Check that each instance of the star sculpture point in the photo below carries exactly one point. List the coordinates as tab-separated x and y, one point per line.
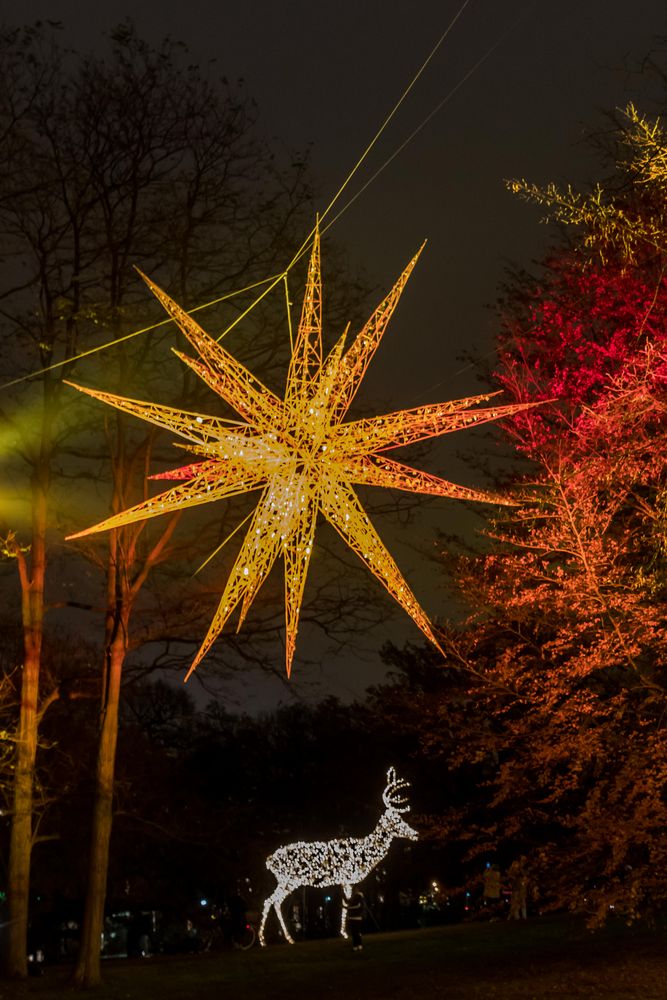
300	452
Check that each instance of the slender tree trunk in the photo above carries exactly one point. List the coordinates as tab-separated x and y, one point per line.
120	600
20	843
87	970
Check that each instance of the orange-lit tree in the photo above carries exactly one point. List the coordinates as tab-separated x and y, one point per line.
565	656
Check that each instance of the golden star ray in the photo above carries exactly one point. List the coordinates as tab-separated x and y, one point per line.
275	520
193	427
234	382
395	430
306	361
376	470
300	453
207	486
366	343
342	509
297	552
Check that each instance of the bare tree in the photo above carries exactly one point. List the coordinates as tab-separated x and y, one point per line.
135	157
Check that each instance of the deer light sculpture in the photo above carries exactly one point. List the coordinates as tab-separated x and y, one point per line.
343	862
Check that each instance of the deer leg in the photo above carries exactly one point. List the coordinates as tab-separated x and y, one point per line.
278	896
274	900
265	913
347	892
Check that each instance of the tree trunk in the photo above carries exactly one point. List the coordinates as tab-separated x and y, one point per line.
20	842
20	848
120	599
87	970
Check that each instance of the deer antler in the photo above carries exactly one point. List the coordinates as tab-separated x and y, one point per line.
391	795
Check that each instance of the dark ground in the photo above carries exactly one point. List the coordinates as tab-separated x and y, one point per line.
543	958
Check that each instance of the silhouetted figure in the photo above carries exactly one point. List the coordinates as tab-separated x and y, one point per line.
492	888
190	938
237	918
355	914
519	887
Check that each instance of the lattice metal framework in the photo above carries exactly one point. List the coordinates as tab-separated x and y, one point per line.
302	454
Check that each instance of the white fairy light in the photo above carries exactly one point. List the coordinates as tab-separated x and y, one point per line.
344	862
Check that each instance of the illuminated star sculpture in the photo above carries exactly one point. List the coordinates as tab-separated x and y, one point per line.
300	453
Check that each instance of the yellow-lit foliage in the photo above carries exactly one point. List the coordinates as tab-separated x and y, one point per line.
605	219
300	453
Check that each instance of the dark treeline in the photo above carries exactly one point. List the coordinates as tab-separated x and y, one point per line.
203	796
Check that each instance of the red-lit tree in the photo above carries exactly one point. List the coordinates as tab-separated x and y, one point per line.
562	687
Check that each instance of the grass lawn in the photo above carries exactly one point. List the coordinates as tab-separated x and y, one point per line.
543	958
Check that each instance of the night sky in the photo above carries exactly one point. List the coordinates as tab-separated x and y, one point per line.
326	76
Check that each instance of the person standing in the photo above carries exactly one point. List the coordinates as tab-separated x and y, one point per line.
492	889
237	919
492	884
355	914
519	887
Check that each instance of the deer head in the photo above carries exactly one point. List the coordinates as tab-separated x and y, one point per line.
396	804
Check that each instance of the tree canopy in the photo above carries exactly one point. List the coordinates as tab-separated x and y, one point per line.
552	711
